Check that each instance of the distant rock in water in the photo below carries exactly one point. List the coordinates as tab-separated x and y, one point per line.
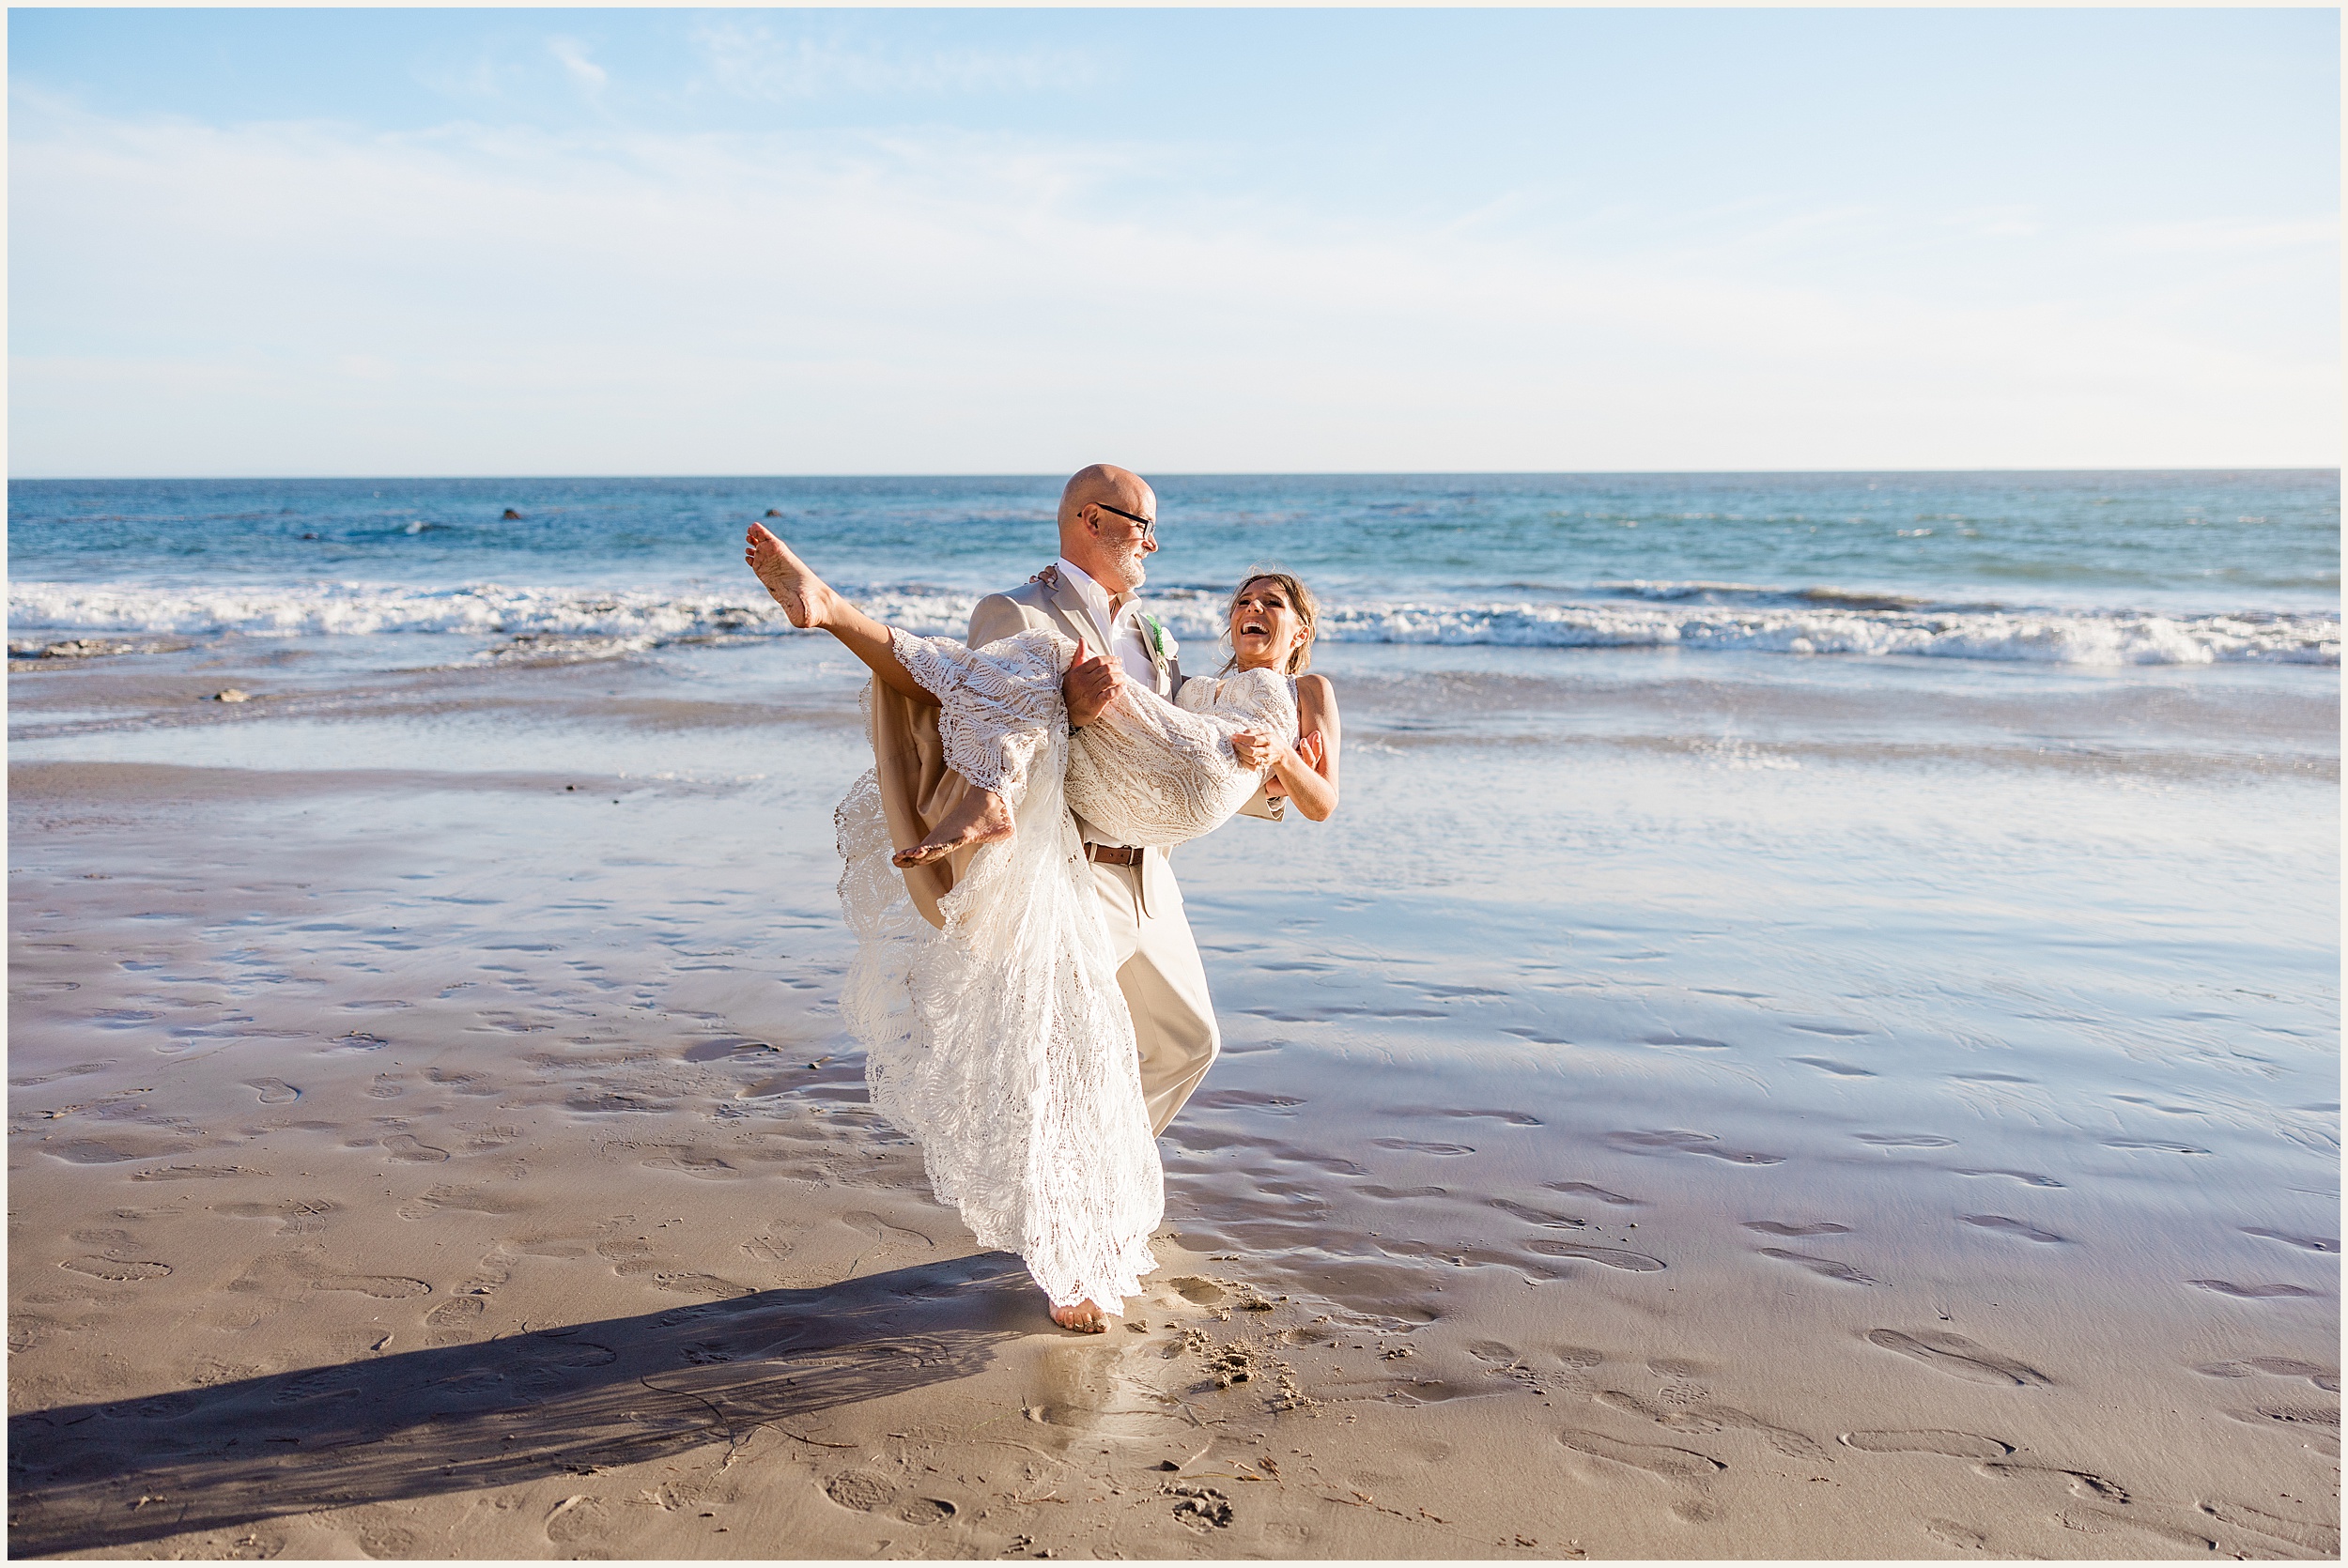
511	515
772	513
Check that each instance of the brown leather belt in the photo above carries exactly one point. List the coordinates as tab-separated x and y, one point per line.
1113	854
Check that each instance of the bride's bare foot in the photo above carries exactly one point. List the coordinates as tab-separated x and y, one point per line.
981	817
804	597
1084	1317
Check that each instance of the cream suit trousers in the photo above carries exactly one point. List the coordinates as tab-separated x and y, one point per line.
1163	982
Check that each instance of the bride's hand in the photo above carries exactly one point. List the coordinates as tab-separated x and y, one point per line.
1253	747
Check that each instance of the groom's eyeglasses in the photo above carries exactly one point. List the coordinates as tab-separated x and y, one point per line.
1148	525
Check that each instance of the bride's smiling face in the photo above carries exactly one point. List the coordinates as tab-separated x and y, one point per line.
1265	627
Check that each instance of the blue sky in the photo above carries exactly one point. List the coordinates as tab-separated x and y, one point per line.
739	241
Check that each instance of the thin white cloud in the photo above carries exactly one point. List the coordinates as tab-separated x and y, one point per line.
572	55
479	301
2235	234
749	58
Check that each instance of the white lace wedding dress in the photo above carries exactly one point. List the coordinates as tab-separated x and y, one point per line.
1002	1042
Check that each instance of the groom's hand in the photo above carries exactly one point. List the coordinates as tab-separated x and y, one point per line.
1090	684
1308	751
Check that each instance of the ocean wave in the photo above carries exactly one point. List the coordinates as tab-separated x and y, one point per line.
1797	621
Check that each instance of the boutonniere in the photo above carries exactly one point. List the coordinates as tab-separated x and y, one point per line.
1157	636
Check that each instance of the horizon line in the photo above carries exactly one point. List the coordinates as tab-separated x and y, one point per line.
2332	468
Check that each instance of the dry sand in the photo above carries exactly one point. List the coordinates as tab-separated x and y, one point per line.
417	1163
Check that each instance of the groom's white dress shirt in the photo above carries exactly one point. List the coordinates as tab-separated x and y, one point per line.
1120	630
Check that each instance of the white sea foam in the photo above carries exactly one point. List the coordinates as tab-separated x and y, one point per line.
1800	621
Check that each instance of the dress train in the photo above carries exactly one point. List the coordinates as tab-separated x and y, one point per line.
1001	1043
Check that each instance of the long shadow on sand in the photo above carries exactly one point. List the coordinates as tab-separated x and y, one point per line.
587	1396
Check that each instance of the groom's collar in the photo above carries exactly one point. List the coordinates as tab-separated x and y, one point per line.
1090	594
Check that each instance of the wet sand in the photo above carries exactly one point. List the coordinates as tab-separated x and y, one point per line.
1752	1130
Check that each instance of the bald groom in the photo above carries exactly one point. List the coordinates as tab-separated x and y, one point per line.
1107	532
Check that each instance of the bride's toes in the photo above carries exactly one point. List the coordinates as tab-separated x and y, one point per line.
920	854
1084	1317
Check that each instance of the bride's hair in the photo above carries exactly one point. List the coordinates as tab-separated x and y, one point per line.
1299	599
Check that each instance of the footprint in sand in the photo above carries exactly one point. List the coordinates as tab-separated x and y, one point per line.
472	1200
579	1517
1826	1064
1246	1099
1514	1118
2152	1144
1706	1417
1825	1268
74	1071
2079	1483
685	1282
120	1271
1676	1142
1950	1533
2256	1292
1797	1227
409	1148
1408	1146
1539	1216
883	1232
1959	1357
768	1248
383	1288
1659	1460
2016	1228
325	1383
1396	1195
296	1216
2308	1243
386	1087
109	1152
2306	1418
1612	1257
859	1490
2029	1179
273	1091
196	1172
708	1167
463	1083
1953	1445
1905	1139
2274	1366
453	1319
1584	1190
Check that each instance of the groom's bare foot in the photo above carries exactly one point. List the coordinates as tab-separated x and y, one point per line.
981	817
804	597
1084	1317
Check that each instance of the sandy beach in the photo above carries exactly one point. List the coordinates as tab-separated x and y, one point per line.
430	1136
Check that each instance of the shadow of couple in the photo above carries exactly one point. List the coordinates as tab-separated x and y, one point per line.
457	1418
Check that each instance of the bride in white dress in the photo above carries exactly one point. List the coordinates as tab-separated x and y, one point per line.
1001	1041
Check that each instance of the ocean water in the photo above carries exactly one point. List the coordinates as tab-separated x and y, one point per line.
2087	569
1895	904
